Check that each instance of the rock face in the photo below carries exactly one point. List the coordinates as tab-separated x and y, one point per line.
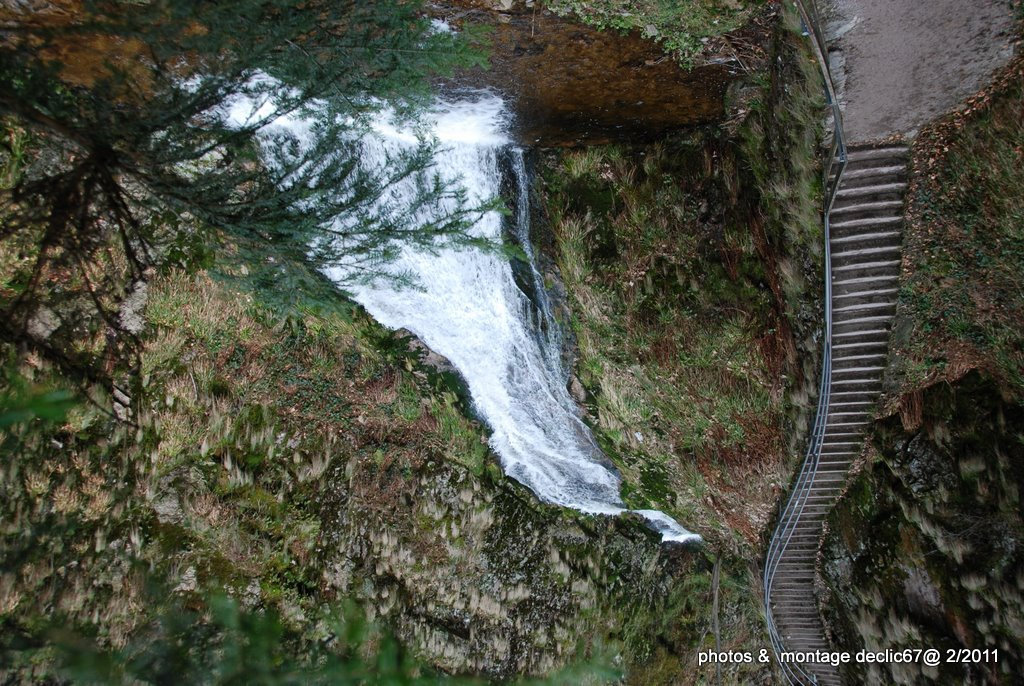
926	548
482	578
572	84
427	356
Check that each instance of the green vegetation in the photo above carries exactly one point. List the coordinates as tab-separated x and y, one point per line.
221	482
664	334
296	464
228	645
688	266
692	269
963	296
683	27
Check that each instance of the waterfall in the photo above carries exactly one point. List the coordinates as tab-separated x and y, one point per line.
468	307
540	316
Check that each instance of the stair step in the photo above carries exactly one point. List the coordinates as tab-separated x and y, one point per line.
882	189
855	382
865	246
876	264
851	319
852	210
797	614
847	412
867	330
874	171
843	364
797	607
845	394
858	313
868	334
816	532
864	292
863	280
866	405
851	370
872	176
881	343
879	292
877	153
866	252
845	226
854	239
794	613
801	628
858	358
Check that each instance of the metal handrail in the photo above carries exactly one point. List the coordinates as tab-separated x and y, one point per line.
832	172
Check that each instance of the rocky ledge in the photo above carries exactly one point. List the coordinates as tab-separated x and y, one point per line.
572	84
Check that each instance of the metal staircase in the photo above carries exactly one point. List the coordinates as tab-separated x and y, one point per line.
863	217
865	246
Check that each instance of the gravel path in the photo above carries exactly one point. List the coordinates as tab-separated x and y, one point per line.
901	63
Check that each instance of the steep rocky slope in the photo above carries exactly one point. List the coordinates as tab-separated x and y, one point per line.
927	547
299	462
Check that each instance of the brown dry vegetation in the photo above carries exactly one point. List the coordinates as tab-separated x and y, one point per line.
84	56
962	297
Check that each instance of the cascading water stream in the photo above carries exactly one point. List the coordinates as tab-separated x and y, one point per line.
467	306
540	316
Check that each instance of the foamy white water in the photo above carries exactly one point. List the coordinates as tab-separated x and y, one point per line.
468	308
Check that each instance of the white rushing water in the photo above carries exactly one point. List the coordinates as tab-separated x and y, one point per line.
469	308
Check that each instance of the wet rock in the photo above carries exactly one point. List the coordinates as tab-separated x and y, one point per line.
427	356
925	469
579	394
923	598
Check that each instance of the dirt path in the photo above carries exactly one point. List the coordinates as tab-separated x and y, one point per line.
901	63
